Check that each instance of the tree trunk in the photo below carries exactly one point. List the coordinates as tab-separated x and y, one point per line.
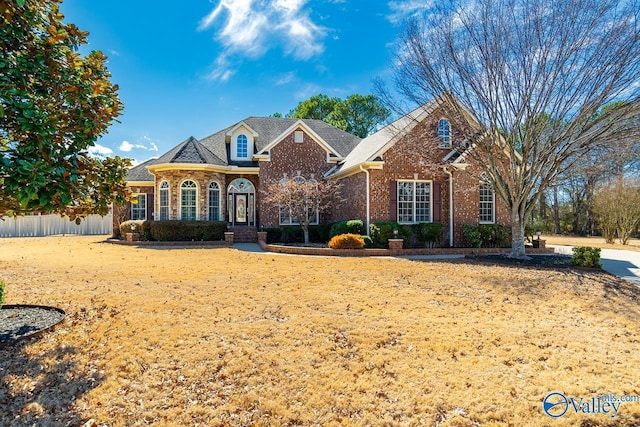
517	235
306	234
556	211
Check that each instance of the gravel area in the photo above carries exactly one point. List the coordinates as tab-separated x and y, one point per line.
21	321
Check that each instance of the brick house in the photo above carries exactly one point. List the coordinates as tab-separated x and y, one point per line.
413	170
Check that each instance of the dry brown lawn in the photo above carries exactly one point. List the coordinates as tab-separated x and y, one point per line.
595	241
215	336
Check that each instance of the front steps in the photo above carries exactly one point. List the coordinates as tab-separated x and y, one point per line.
244	234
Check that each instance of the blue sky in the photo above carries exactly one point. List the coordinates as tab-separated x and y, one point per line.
194	68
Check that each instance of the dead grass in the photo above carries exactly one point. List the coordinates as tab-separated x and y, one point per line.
596	242
221	337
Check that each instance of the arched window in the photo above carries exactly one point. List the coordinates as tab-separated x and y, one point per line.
444	133
241	148
164	201
188	201
214	202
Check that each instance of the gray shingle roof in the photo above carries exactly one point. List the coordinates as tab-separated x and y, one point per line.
140	173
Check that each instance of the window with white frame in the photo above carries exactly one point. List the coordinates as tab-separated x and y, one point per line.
164	201
487	203
414	202
139	207
214	201
286	217
444	132
188	201
241	147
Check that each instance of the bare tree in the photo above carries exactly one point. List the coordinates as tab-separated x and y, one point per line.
617	206
533	76
301	201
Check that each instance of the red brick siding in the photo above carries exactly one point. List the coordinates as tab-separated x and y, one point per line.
354	193
289	157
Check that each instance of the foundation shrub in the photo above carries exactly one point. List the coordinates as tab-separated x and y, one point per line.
185	231
352	226
486	236
428	234
322	232
346	241
141	227
273	234
292	235
586	256
381	232
2	287
368	242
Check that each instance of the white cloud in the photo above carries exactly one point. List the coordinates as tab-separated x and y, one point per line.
401	10
285	78
250	28
144	143
100	151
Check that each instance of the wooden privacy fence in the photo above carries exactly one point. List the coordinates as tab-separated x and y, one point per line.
47	225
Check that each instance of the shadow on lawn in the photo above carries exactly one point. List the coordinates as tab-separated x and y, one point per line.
43	390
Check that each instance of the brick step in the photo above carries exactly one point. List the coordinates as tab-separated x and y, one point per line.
244	234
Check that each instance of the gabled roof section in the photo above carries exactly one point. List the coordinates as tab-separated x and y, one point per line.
375	145
241	124
191	151
312	129
140	173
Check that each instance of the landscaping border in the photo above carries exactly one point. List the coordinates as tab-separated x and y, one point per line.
300	250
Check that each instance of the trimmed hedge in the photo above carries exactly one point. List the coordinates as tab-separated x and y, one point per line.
381	232
586	256
429	234
352	226
346	241
185	231
487	236
142	227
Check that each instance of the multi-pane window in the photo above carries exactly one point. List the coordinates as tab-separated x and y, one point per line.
487	204
214	201
241	147
164	201
188	201
139	207
414	202
444	132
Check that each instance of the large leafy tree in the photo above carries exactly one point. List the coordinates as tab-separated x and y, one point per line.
54	104
506	64
359	115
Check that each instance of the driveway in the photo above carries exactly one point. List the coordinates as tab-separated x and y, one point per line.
624	264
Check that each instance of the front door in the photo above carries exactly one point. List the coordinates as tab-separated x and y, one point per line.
240	209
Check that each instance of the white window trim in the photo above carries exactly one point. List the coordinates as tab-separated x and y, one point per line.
219	200
135	206
168	190
442	143
180	202
493	205
414	181
291	222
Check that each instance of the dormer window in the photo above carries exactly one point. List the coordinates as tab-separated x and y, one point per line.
444	133
241	148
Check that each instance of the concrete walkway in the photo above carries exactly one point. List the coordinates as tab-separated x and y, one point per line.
624	264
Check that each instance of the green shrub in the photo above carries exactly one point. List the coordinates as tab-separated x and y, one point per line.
428	234
292	235
273	234
585	256
368	242
185	231
352	226
495	236
322	232
141	227
346	241
472	236
381	232
2	286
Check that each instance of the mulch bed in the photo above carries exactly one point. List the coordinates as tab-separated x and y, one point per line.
21	321
542	260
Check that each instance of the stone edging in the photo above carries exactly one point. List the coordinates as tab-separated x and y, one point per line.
298	250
